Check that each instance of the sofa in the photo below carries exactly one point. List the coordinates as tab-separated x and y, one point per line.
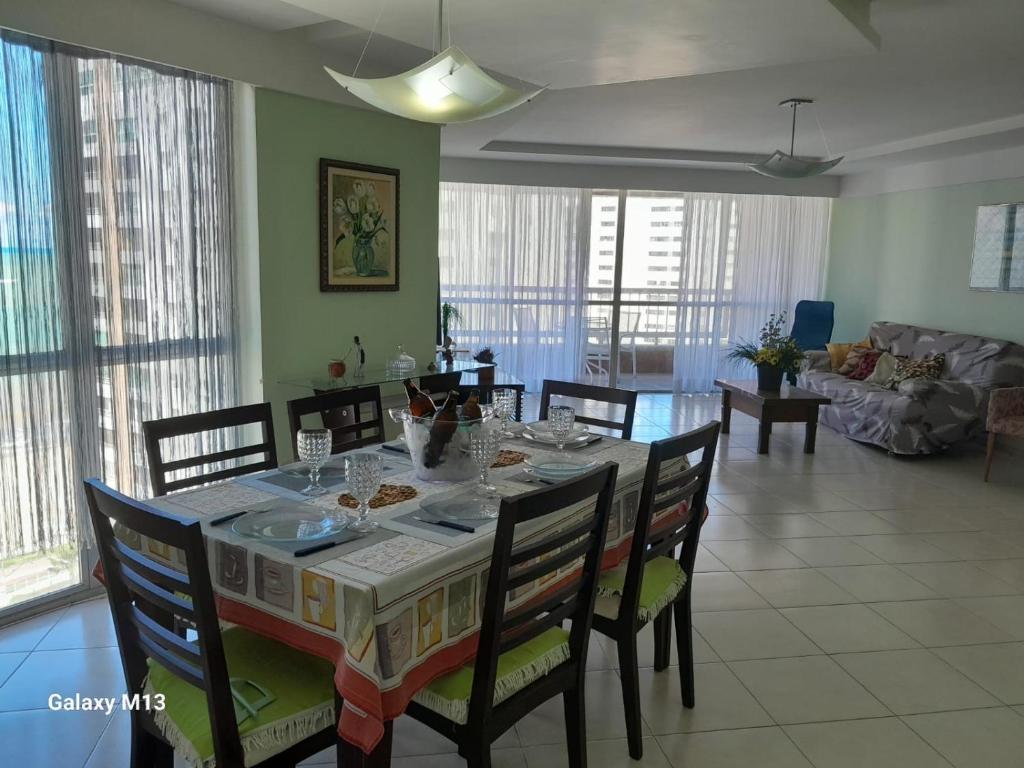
921	415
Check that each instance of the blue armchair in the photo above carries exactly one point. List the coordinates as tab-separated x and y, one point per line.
812	326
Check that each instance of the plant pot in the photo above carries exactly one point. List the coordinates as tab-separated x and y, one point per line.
769	378
485	375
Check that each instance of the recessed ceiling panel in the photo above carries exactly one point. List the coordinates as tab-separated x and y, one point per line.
574	43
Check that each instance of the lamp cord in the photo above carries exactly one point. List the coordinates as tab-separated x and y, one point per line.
380	12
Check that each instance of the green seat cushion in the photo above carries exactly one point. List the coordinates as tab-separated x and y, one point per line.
518	667
663	579
302	686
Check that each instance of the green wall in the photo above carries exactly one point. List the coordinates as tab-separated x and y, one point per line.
906	257
303	328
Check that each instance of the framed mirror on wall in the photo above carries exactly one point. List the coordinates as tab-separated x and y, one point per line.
998	260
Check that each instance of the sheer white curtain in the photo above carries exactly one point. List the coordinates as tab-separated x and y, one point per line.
117	300
743	257
513	261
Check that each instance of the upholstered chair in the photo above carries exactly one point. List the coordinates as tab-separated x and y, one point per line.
1005	417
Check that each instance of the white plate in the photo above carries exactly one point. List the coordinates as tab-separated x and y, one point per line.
556	467
542	429
572	442
288	525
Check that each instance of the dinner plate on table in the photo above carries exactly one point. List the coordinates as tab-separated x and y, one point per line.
557	469
330	474
540	432
282	525
462	506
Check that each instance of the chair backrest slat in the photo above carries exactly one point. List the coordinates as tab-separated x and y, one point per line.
609	395
539	554
157	573
341	411
666	487
144	606
193	425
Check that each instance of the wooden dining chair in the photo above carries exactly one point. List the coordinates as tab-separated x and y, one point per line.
654	580
608	395
232	696
354	417
191	426
524	656
438	385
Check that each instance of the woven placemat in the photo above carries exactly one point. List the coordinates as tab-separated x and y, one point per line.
386	496
509	458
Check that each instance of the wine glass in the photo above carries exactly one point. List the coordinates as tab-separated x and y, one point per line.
504	401
314	446
484	444
561	419
363	474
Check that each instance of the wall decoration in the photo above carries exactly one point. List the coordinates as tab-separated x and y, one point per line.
358	227
998	261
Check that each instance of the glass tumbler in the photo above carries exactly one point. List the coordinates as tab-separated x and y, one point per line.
561	419
484	445
363	475
314	446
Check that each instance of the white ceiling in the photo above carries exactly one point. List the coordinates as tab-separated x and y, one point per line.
675	82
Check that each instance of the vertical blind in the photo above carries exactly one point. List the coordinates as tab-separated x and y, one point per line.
117	296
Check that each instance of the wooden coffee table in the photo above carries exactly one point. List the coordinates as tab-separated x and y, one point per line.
789	405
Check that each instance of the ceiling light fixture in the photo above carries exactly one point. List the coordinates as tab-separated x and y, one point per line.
449	88
781	165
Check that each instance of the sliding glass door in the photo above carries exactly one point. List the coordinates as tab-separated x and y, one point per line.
116	287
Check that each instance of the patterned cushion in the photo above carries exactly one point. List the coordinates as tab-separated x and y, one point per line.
837	352
853	358
927	368
884	368
866	366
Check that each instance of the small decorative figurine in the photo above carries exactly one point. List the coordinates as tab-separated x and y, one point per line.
360	358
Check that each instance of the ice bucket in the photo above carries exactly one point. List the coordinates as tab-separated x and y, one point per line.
434	455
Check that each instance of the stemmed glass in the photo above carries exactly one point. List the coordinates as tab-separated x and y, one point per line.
363	475
561	419
314	446
504	401
484	444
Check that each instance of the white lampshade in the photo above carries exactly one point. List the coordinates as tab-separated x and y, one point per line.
448	88
784	166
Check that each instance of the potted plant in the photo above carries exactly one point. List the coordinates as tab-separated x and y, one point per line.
485	356
776	355
450	319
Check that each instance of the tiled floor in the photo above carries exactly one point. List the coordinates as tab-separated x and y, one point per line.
852	609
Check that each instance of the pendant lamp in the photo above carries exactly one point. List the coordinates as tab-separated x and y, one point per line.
449	88
782	165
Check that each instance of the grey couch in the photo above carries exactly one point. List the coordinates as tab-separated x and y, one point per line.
922	415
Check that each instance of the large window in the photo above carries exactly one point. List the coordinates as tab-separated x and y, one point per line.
667	281
116	285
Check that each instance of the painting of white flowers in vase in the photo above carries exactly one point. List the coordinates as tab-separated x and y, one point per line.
358	227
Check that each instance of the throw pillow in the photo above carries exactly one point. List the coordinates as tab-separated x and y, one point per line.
926	368
852	360
866	366
884	368
837	352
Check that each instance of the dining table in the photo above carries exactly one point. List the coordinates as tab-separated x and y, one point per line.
392	609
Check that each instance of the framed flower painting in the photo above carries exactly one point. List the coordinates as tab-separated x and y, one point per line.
358	227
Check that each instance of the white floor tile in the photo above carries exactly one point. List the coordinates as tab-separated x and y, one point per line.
806	690
998	668
855	522
829	551
760	634
957	579
1005	612
763	747
723	592
721	701
753	555
611	753
913	681
796	587
904	548
980	738
875	583
878	743
940	622
847	628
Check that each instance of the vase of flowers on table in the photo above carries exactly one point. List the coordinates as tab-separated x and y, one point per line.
776	354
